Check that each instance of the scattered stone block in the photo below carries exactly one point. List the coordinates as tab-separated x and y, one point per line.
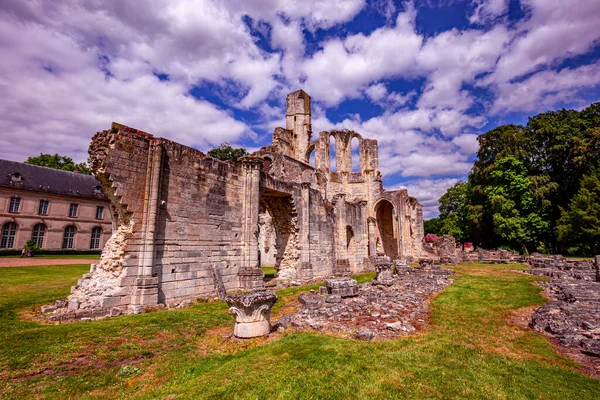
345	287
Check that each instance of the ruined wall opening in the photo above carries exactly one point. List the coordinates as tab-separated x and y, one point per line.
280	233
351	247
387	243
311	158
355	151
332	161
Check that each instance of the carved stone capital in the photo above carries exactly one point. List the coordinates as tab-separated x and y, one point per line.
251	313
251	162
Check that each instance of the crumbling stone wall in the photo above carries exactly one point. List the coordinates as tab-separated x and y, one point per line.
267	239
284	218
188	226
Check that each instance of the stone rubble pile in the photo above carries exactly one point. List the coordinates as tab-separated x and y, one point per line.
572	315
379	310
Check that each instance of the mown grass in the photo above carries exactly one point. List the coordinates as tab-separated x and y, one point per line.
468	351
269	272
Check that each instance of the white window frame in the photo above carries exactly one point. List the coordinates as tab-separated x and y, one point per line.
14	201
71	206
39	237
95	240
68	239
8	236
47	207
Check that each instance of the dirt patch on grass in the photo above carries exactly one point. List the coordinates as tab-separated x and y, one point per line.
38	262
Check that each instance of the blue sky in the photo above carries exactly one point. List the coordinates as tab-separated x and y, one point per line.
424	78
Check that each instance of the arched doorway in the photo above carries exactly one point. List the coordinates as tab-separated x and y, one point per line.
384	211
278	233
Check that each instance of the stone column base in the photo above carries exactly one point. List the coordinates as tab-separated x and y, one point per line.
305	273
251	278
342	268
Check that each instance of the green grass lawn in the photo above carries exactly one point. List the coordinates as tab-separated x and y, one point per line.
468	351
269	272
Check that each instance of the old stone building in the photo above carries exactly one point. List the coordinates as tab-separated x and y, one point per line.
60	210
188	224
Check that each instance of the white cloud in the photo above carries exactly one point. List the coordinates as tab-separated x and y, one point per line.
59	109
455	58
555	30
344	67
427	192
545	89
488	10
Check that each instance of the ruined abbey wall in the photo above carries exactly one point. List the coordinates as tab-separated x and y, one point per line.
190	226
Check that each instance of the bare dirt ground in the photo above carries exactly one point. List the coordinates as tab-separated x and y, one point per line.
32	261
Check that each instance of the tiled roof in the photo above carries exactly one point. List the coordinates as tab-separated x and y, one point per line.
16	175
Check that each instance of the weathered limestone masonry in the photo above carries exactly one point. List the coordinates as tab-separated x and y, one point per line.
189	226
572	315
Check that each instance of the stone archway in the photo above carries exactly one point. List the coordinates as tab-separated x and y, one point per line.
284	242
384	211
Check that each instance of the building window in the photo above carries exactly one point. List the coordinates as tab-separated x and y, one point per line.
99	212
9	232
15	203
73	210
43	208
95	243
39	230
69	237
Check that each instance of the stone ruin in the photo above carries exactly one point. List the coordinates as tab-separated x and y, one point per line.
572	315
251	312
189	226
373	310
445	250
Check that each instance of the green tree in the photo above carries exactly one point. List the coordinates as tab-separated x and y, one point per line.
31	245
580	221
227	153
432	225
516	215
58	162
454	211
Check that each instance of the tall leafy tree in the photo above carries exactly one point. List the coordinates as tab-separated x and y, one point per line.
432	225
516	214
227	153
580	220
454	211
58	162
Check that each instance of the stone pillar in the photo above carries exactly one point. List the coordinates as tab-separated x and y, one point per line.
342	265
145	289
249	273
362	248
306	272
372	226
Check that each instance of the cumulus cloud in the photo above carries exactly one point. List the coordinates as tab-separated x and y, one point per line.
488	10
545	88
69	68
66	94
428	192
555	29
345	66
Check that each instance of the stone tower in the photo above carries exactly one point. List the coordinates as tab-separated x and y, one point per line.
298	120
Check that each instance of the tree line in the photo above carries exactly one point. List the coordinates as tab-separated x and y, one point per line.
532	188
